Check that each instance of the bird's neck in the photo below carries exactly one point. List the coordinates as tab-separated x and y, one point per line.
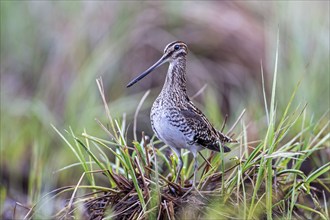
176	77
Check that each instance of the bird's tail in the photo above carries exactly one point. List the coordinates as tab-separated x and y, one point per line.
226	149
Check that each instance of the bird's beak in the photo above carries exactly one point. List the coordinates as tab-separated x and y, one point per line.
161	61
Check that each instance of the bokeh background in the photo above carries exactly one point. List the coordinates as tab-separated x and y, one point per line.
52	52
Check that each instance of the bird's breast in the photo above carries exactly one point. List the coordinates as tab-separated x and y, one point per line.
169	125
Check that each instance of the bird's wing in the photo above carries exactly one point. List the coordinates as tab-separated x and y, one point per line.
202	131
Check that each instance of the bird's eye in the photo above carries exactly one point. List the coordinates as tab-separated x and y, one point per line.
176	47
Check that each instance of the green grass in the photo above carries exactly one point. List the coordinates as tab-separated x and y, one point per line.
52	52
264	181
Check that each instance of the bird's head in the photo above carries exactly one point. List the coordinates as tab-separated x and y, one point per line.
172	52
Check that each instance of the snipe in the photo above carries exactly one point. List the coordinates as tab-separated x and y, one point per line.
174	118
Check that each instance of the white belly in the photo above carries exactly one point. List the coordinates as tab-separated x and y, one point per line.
171	135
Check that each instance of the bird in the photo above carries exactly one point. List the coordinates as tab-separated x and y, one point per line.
175	120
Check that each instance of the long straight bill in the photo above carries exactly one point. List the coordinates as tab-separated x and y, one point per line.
142	75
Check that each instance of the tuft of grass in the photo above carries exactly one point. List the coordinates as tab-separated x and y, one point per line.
264	181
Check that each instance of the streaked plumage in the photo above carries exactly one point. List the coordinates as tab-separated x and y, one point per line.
174	118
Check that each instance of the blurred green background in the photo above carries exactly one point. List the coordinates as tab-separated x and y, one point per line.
52	52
